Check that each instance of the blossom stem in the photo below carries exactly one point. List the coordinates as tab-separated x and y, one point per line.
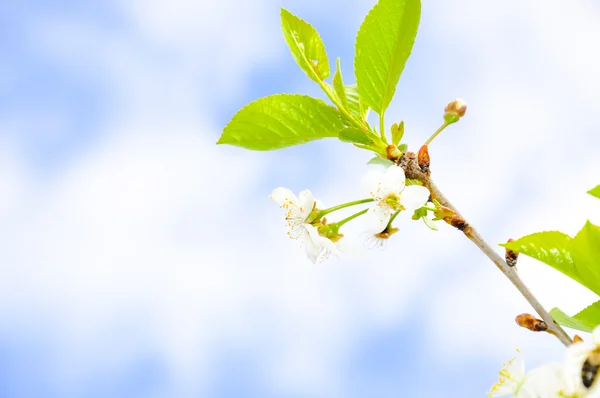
412	170
342	206
442	127
352	217
389	224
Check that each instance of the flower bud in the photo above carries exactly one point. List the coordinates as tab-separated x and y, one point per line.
530	322
511	256
423	159
455	110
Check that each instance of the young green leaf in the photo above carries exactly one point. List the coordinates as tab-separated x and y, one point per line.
595	192
281	120
585	320
397	132
585	250
355	136
338	85
550	247
356	105
383	45
306	46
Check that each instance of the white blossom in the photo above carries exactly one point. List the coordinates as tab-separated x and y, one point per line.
545	381
391	194
582	380
318	247
298	210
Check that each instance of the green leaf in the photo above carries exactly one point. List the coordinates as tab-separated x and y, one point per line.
383	45
430	224
585	320
306	46
595	192
338	85
355	136
348	98
356	106
550	247
421	213
380	161
397	132
281	120
585	250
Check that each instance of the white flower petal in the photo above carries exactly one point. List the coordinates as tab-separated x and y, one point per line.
394	179
413	197
312	243
330	246
372	182
544	381
306	203
575	357
283	196
377	219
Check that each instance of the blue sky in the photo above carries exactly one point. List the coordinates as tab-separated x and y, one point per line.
139	259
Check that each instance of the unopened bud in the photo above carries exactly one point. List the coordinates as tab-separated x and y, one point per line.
577	339
393	153
511	256
530	322
423	159
455	110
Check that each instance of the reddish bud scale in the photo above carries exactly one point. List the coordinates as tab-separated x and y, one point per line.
577	339
530	322
423	159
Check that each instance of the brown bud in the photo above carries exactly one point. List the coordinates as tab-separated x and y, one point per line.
423	158
511	256
530	322
577	339
451	217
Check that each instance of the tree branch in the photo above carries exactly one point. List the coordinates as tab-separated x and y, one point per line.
412	170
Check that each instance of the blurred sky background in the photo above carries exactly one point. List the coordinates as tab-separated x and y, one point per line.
139	259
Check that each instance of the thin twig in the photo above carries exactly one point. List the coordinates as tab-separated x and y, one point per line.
409	163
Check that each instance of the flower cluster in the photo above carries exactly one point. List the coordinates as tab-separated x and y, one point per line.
389	195
576	377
